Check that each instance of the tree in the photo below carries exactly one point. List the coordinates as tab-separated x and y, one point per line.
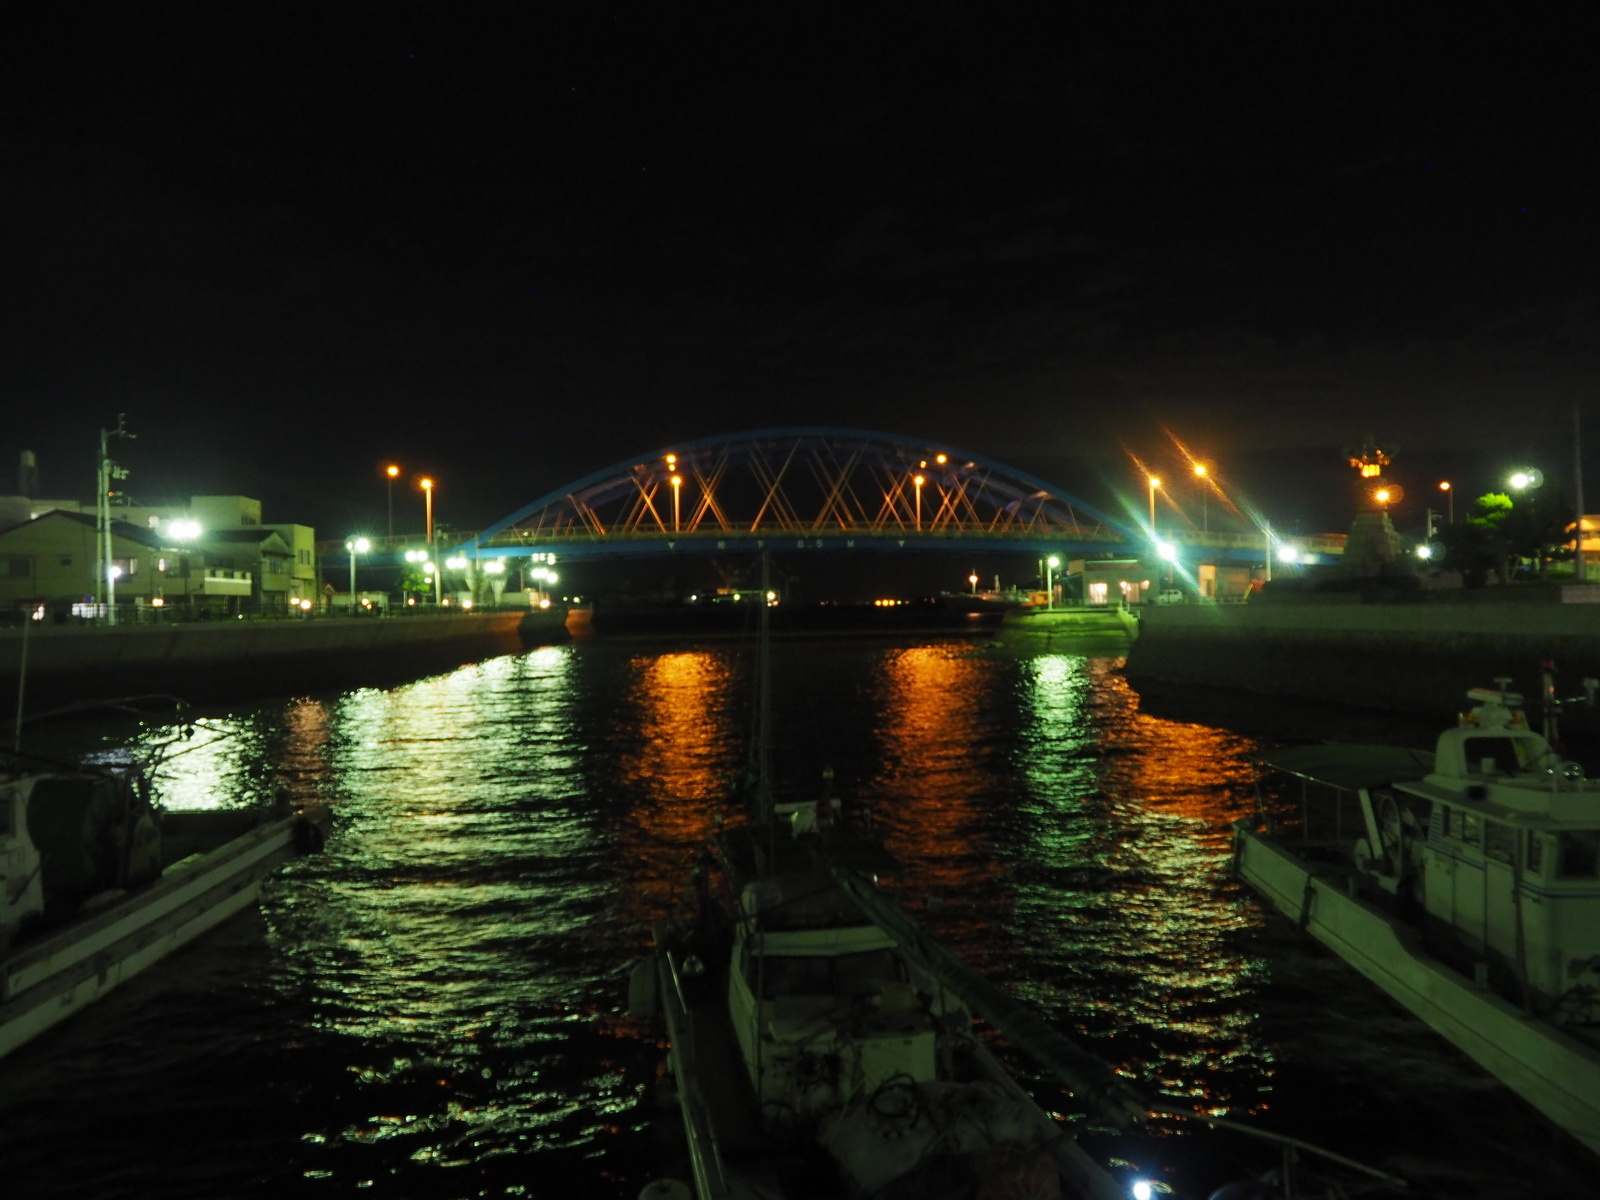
1500	532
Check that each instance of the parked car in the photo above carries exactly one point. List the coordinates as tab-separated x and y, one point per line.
1170	596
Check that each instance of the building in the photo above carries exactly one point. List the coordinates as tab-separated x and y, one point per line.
52	561
279	560
302	543
259	552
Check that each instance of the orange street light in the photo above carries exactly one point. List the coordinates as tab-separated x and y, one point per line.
1450	500
919	481
427	490
677	491
1154	484
392	472
1382	495
1201	471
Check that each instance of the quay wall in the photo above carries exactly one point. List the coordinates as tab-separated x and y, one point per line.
1403	657
207	661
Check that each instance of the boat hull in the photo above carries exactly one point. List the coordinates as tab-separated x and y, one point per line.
1557	1074
45	982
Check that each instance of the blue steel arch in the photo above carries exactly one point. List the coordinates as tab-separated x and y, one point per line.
973	500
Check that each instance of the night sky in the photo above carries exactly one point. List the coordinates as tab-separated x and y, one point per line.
510	244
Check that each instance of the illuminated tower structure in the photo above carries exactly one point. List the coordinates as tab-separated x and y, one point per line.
1374	550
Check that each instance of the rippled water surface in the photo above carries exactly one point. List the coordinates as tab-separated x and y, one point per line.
432	1007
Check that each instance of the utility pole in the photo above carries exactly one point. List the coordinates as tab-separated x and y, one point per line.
105	472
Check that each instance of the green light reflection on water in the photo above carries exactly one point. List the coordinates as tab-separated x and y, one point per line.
1128	874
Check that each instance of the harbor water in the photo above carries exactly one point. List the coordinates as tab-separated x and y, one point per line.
434	1006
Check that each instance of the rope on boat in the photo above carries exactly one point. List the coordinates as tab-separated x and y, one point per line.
1112	1098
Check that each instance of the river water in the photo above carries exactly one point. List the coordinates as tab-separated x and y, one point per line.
433	1007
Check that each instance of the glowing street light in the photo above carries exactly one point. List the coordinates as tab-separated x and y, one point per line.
1382	496
1050	565
1154	484
1523	480
355	545
1201	471
677	494
113	573
392	472
427	490
919	481
973	580
1450	500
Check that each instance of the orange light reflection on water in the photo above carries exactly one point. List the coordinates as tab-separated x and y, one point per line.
932	764
678	764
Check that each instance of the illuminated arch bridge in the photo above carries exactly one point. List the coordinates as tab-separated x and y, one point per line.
803	488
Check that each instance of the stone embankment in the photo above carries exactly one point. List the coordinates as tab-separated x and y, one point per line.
207	661
1415	657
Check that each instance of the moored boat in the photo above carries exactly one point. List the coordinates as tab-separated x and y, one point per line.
97	883
814	1056
1465	883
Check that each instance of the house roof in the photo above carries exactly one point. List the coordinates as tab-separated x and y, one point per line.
251	535
125	530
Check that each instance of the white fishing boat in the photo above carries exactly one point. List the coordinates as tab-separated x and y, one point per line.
1465	883
819	1051
96	883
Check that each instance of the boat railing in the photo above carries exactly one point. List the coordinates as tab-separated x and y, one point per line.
710	1173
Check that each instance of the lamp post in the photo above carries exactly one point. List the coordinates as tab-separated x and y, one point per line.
973	580
427	492
677	492
919	481
1154	484
180	532
1050	565
392	472
355	546
113	573
1201	471
1450	501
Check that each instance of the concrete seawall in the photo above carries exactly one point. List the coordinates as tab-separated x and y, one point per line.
230	659
1405	657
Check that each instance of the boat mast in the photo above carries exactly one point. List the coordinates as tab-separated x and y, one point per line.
763	741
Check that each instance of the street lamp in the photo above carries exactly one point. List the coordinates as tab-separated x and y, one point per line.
919	481
1201	471
973	580
181	531
1450	500
393	472
1154	484
427	491
357	545
1522	480
113	573
677	492
1050	565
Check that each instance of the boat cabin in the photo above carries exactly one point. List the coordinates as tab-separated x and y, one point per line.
1511	861
824	1004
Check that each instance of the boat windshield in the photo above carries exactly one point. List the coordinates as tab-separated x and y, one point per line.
1578	854
853	975
1497	755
